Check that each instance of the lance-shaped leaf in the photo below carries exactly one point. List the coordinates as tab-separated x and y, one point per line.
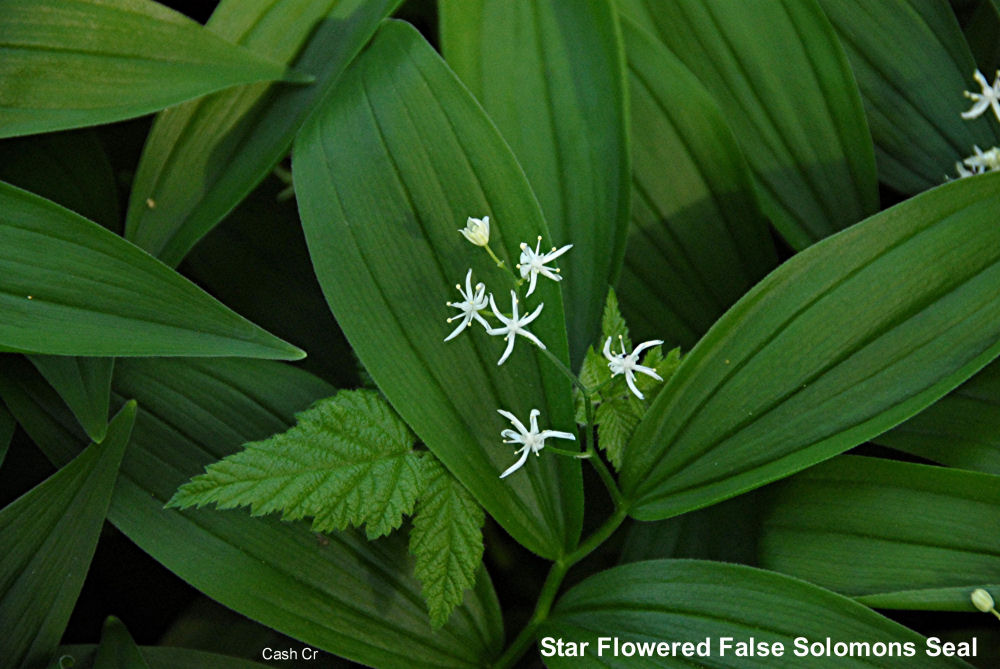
780	76
646	603
203	157
49	535
342	593
71	63
349	461
863	526
698	240
842	342
118	649
962	429
69	168
385	175
551	75
912	64
70	287
447	541
85	386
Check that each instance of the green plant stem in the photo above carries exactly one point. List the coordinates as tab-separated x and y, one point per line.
500	263
566	372
550	588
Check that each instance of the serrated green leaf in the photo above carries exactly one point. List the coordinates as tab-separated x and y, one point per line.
203	157
780	76
912	65
447	541
612	323
842	342
345	595
71	63
689	600
962	429
616	421
70	287
385	175
118	649
85	386
49	535
551	76
698	239
864	526
349	461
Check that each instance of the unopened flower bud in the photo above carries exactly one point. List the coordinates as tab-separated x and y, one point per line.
477	230
982	600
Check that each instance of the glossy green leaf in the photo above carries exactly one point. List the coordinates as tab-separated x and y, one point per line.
842	342
689	600
71	63
85	386
69	168
912	64
962	429
203	157
70	287
698	240
780	76
118	649
162	657
341	593
385	175
551	75
863	526
7	427
49	535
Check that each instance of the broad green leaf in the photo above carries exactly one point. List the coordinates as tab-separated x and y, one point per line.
70	287
69	168
340	593
688	600
782	80
7	426
71	63
698	239
49	535
85	386
202	158
447	541
256	263
118	649
842	342
349	461
962	429
551	75
863	526
162	657
386	174
912	64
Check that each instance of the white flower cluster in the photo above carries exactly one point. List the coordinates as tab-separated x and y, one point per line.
981	161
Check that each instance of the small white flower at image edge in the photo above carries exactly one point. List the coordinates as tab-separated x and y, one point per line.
473	300
628	363
989	96
514	325
477	230
532	263
531	439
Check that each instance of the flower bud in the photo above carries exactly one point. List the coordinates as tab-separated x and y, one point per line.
982	600
477	230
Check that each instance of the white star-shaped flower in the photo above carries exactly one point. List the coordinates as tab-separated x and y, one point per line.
514	325
532	440
534	263
628	363
477	230
989	96
473	301
983	161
